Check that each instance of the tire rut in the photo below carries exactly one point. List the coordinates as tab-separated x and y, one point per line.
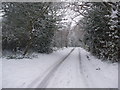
81	69
46	79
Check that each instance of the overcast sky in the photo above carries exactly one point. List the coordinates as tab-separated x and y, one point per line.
69	15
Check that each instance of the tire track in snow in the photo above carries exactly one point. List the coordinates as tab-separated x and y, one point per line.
50	73
81	69
45	81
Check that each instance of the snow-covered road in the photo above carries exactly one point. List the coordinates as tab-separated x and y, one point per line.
49	73
68	74
79	70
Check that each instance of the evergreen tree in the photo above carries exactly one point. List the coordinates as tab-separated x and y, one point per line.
102	32
28	26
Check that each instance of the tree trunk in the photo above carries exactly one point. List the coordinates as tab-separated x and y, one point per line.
27	47
30	39
30	27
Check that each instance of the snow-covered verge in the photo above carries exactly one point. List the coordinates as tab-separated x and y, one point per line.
97	73
20	73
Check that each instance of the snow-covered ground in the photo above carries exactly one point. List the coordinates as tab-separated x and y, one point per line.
79	70
21	72
68	74
101	74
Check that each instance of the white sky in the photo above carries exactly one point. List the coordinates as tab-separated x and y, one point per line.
69	15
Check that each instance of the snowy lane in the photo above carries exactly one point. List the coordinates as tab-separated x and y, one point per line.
50	73
79	70
82	70
68	74
41	82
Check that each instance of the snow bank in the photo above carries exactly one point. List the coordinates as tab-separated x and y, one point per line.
99	74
